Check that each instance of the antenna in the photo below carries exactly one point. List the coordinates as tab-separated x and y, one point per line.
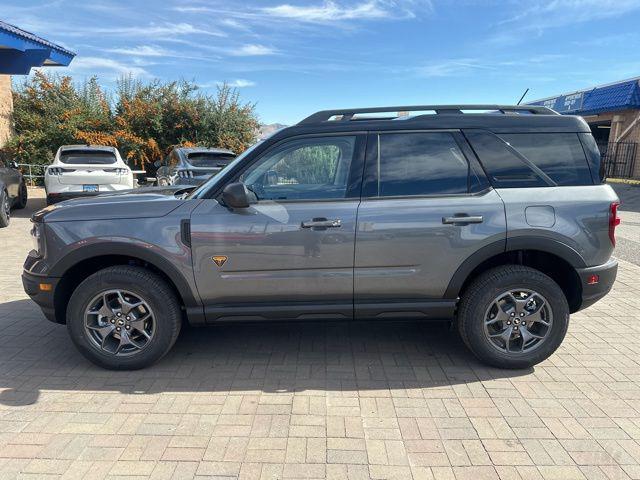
523	95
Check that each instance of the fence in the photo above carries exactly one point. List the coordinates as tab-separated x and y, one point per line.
619	159
33	172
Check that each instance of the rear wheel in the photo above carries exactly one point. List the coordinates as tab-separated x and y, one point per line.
5	209
21	201
513	316
124	318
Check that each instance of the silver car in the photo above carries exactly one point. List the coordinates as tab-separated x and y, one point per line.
192	165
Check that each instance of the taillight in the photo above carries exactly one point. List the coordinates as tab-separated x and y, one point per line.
614	221
55	170
185	174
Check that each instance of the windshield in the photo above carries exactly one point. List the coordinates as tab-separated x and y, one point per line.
210	159
87	157
220	177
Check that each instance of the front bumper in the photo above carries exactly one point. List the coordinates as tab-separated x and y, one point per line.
44	298
606	276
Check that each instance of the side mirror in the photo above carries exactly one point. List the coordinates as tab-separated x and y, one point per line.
14	164
236	195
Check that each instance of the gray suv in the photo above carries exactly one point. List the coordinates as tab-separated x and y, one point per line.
191	165
495	220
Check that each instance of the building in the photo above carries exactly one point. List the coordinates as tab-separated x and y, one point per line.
20	51
613	113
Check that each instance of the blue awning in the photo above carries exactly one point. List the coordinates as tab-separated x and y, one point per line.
621	95
20	51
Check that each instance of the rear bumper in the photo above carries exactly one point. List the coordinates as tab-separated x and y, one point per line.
60	197
44	299
606	276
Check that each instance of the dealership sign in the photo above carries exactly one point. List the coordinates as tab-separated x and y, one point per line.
564	103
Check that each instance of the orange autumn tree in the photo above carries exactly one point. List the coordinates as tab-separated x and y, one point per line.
144	120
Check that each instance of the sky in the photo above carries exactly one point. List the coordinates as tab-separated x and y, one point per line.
294	57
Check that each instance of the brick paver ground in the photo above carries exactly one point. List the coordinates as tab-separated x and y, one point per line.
322	400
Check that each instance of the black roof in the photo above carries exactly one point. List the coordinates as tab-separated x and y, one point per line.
495	118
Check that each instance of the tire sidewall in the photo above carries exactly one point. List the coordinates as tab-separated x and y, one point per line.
476	305
5	218
161	301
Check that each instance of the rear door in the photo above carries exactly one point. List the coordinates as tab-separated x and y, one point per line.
426	208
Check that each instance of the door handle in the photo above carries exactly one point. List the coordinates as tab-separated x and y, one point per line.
321	223
462	219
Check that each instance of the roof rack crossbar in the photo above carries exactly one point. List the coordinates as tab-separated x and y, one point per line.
348	114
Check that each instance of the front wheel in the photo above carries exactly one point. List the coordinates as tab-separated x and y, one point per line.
513	316
124	318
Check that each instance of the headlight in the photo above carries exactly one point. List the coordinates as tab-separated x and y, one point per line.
37	237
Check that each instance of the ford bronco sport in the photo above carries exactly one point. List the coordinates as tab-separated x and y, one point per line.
494	217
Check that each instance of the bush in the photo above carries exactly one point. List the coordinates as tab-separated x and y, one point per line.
144	120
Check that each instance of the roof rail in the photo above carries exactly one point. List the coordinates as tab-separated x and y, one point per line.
348	113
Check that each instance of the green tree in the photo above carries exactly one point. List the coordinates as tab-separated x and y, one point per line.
144	120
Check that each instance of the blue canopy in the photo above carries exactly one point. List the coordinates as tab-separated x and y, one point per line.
621	95
21	50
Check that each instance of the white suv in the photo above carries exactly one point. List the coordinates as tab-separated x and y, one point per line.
81	170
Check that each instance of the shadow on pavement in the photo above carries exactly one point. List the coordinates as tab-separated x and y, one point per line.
37	356
629	196
33	205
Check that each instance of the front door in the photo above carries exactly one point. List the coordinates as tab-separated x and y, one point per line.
290	255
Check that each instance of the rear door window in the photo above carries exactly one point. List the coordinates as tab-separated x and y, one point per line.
420	163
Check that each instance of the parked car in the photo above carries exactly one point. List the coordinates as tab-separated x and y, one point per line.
496	221
13	190
192	166
86	170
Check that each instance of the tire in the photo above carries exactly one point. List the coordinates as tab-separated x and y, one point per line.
21	201
5	209
133	283
516	317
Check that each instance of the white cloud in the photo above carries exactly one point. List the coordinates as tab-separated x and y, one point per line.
241	83
105	68
450	68
238	83
332	11
142	51
252	50
558	13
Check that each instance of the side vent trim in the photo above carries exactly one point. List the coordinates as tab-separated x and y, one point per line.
185	232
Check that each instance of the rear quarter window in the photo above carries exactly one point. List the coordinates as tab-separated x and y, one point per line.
559	155
517	160
209	159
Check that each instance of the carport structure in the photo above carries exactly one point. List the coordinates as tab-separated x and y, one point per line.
613	113
20	51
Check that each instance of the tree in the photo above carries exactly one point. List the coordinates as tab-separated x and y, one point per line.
143	120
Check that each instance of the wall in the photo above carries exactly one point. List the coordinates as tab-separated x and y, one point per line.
621	121
6	108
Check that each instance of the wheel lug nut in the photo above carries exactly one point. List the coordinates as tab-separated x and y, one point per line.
128	327
522	314
508	322
513	314
118	329
113	320
128	317
119	314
